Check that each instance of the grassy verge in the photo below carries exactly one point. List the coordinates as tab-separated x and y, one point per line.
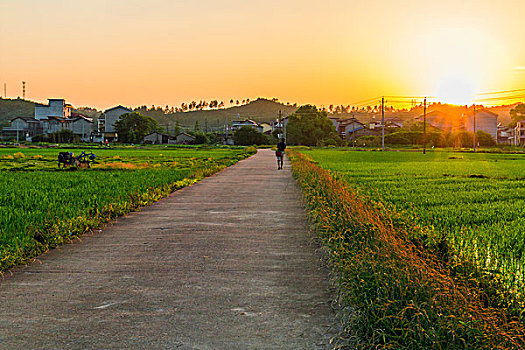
42	208
401	295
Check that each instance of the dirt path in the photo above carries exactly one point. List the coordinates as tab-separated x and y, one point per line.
225	264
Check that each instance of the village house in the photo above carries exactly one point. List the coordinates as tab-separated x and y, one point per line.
22	128
519	133
157	138
441	121
184	138
51	118
350	129
347	127
505	134
237	124
486	121
106	123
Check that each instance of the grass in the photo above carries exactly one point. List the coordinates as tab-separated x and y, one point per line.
393	223
470	207
42	206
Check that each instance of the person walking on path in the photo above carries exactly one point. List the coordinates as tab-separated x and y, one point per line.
281	146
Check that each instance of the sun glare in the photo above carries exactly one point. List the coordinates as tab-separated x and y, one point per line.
456	91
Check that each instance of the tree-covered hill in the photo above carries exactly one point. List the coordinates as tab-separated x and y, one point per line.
260	110
13	108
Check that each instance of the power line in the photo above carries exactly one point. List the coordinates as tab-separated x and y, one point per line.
365	101
412	97
516	97
499	92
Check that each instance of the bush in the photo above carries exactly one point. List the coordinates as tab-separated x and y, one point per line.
397	138
40	138
246	136
200	138
369	140
484	138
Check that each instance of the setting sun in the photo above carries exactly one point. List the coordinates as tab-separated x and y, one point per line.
455	90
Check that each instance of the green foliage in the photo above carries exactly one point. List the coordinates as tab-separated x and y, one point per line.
63	136
132	127
485	139
399	138
310	127
517	113
247	135
200	138
13	108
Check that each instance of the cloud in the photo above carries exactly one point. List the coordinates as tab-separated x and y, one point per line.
519	68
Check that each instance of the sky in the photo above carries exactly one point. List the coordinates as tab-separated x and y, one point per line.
163	52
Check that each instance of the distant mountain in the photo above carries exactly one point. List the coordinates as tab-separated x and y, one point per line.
260	110
14	108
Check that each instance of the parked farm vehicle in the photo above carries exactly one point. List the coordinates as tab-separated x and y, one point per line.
84	160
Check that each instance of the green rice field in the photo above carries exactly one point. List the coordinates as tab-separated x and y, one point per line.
471	204
42	206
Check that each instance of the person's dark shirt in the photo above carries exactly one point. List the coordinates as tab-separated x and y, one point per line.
281	146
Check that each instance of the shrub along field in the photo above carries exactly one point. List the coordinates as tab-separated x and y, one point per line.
429	248
42	206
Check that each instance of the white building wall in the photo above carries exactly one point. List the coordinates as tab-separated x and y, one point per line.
55	108
19	124
484	122
111	116
82	127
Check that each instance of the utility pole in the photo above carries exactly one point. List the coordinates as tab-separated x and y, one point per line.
280	122
425	126
474	116
24	90
383	123
5	90
284	127
353	132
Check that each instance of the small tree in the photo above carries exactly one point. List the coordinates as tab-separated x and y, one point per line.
132	127
200	138
517	113
63	136
484	138
309	126
247	135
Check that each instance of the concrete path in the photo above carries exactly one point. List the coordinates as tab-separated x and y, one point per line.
228	263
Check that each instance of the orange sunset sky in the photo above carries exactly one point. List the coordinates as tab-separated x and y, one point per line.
164	52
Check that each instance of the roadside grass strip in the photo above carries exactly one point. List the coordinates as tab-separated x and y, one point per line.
395	293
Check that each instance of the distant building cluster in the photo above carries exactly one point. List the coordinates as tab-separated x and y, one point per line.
57	115
49	119
487	121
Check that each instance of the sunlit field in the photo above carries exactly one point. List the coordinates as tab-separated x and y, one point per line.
42	206
426	249
474	201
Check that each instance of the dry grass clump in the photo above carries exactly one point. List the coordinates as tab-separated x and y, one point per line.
401	295
122	165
